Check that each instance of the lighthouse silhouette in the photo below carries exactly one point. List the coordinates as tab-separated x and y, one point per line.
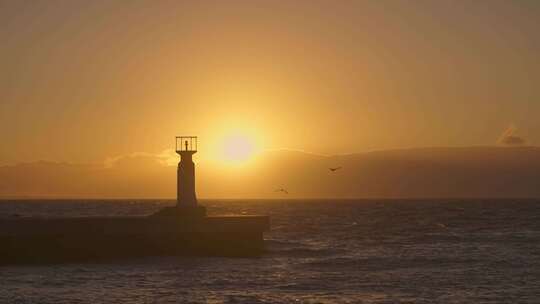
186	200
186	146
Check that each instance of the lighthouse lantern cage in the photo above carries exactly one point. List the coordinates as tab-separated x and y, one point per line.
186	144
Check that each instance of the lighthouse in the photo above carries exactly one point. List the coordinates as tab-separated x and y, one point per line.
186	199
186	146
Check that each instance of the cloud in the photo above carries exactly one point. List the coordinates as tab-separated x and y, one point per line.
165	158
509	137
513	141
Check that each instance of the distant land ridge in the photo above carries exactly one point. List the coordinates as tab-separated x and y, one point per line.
439	172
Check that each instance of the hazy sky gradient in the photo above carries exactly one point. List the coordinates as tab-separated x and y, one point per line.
85	80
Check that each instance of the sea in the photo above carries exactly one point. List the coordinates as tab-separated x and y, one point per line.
318	251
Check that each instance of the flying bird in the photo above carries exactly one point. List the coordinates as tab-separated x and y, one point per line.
334	169
282	190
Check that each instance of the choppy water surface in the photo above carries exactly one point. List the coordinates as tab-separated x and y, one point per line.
362	251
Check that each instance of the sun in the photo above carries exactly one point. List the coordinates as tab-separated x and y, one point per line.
233	144
238	149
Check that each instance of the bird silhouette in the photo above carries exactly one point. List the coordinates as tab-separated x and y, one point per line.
282	190
334	169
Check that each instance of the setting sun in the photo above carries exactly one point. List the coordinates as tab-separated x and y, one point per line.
238	149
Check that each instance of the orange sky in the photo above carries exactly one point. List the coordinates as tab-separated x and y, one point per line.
83	81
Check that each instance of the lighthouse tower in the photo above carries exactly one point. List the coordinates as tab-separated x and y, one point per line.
186	146
186	200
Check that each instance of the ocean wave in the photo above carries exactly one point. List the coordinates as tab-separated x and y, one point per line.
297	249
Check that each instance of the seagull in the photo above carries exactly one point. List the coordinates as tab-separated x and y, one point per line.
334	169
282	190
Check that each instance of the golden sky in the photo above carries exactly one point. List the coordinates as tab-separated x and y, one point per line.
85	81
